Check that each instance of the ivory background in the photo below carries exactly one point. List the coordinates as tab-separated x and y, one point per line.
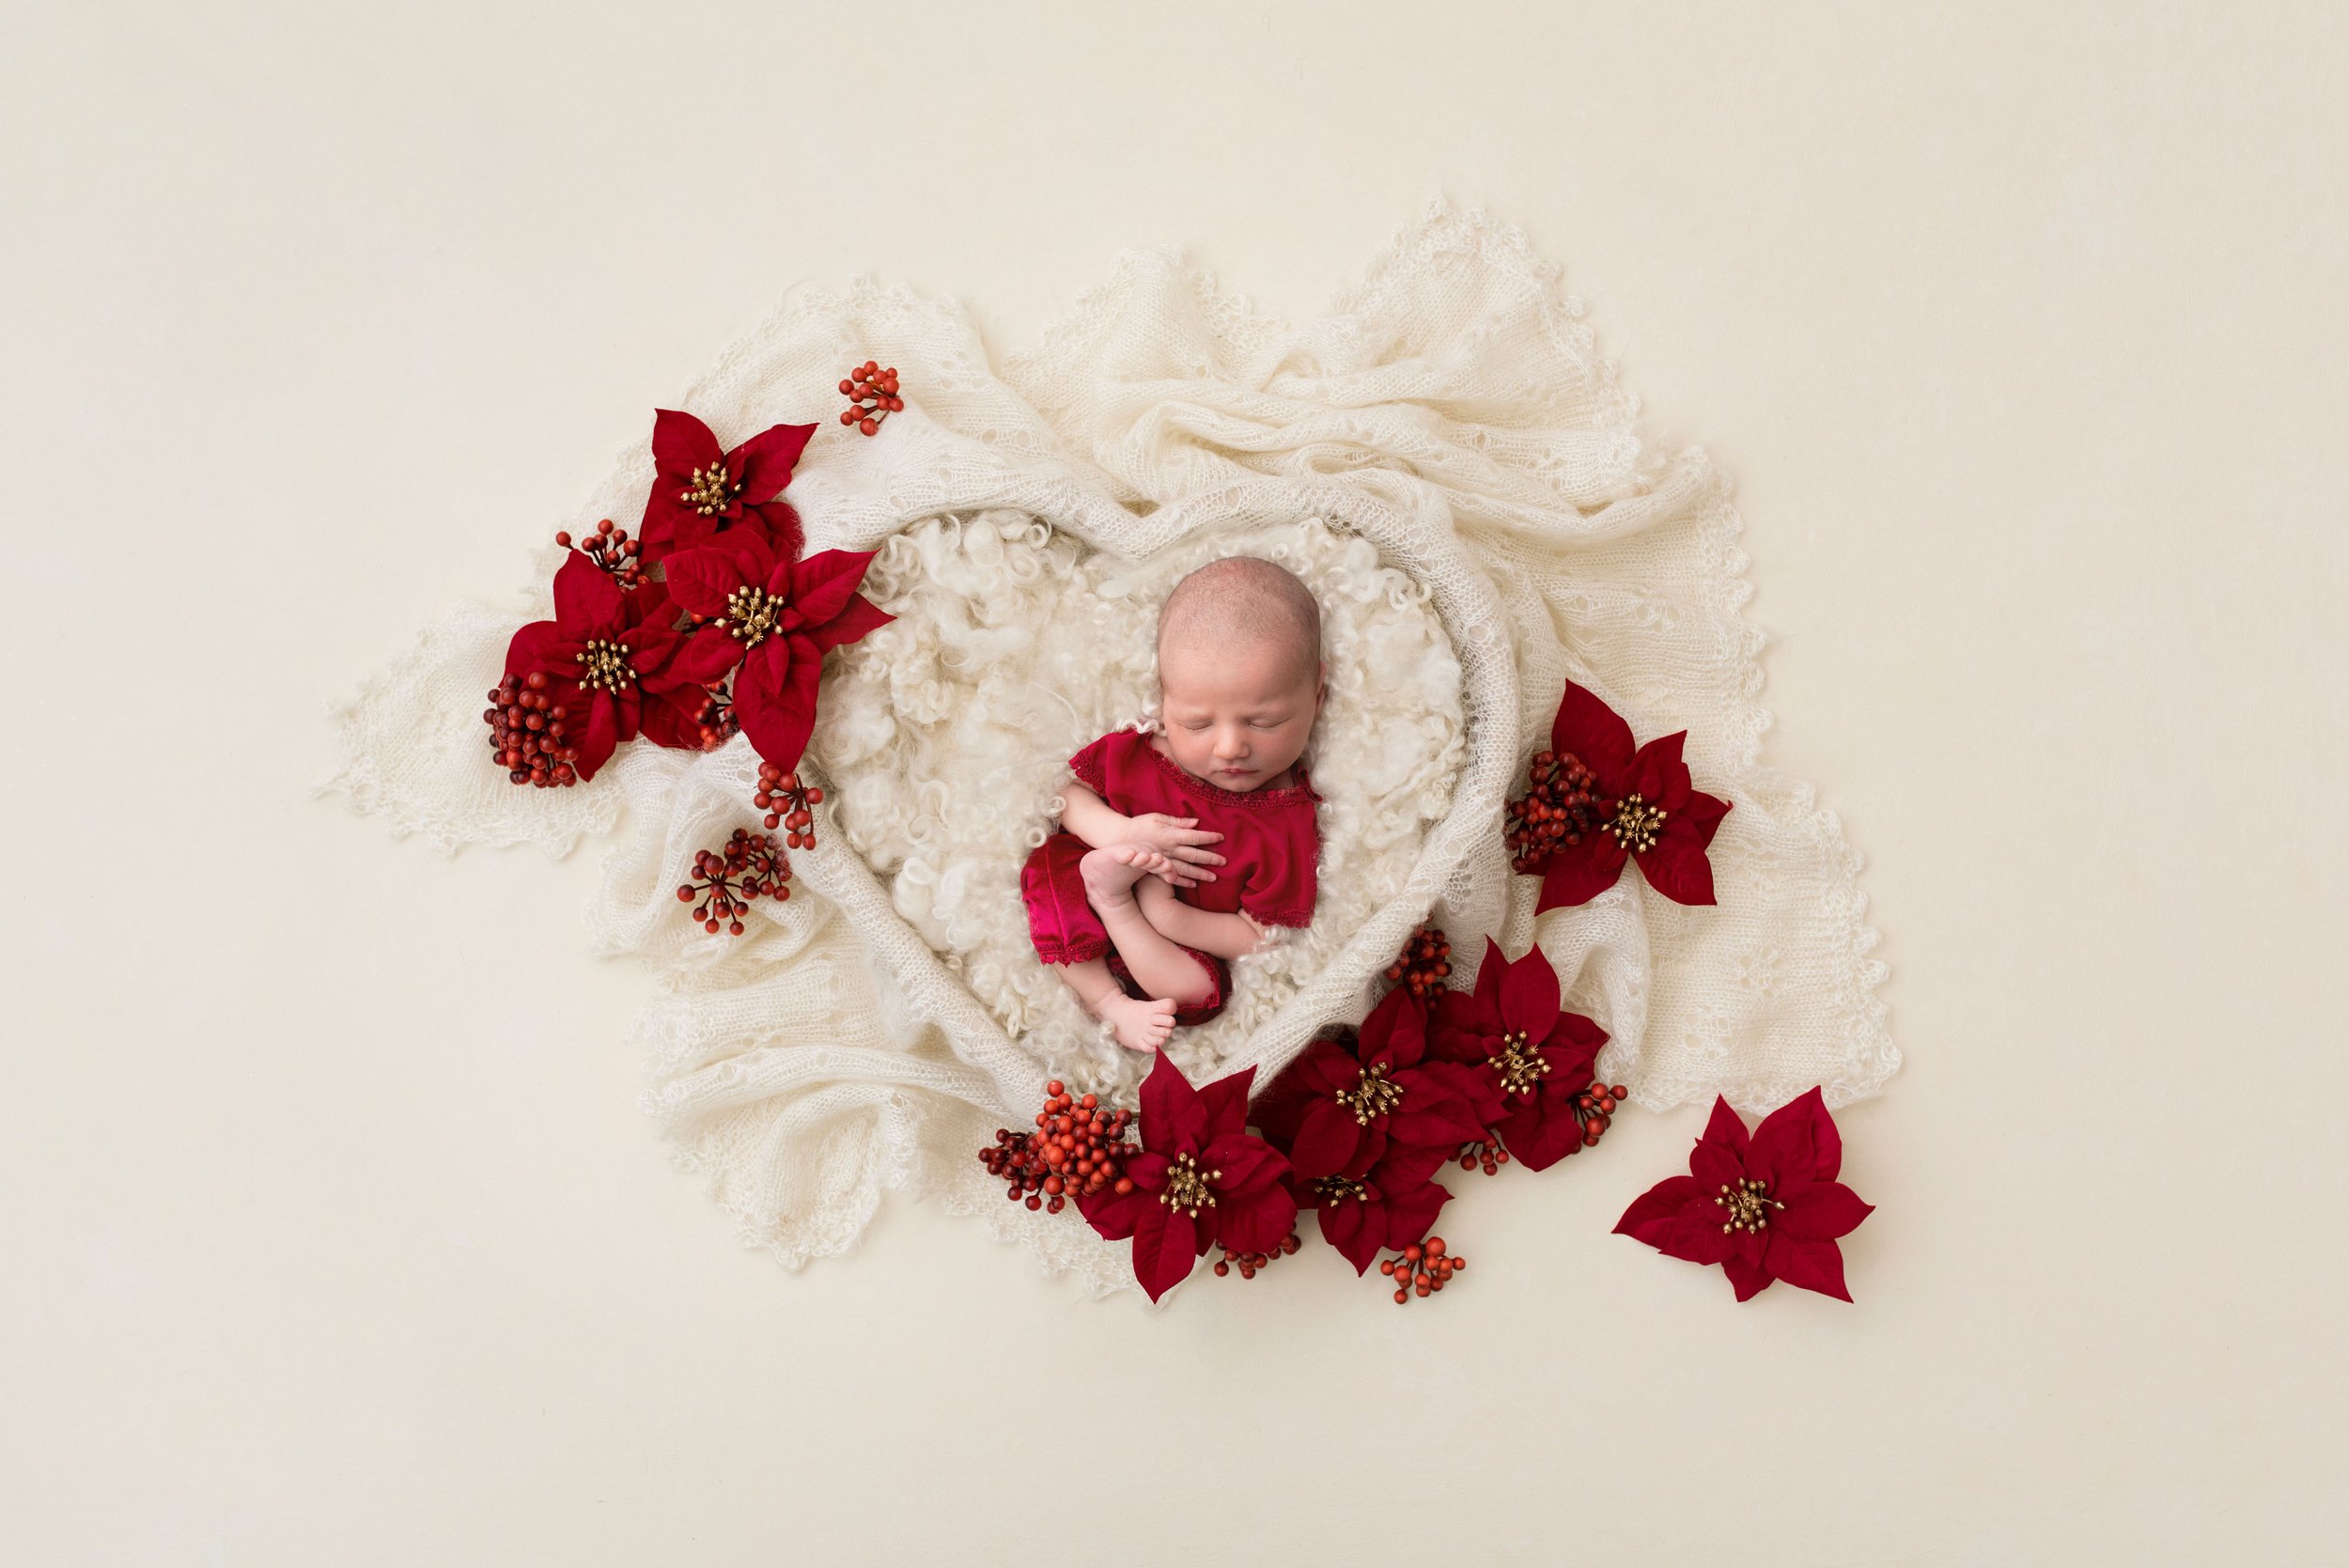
331	1230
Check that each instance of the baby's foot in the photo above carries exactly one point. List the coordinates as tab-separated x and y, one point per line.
1109	873
1142	1023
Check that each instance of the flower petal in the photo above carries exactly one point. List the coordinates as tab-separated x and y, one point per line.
1658	774
1329	1142
1146	1170
1716	1165
1594	732
1402	1168
1750	1277
1529	994
1579	873
538	646
586	600
702	658
1809	1264
1675	864
1453	1032
1278	1110
599	736
1434	1112
700	579
671	718
1240	1166
1412	1212
1225	1101
1114	1215
851	625
1256	1222
780	525
1654	1214
1820	1211
821	585
1703	813
1350	1225
1396	1032
682	443
1171	1115
1479	1086
1723	1128
1167	1242
768	458
774	698
1797	1143
1540	1131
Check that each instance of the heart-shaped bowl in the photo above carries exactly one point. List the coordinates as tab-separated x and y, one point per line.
933	796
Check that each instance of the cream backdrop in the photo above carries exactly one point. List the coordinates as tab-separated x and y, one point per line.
331	1230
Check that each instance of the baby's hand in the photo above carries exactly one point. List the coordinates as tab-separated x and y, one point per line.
1178	838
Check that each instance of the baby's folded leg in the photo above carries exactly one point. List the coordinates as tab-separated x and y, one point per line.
1139	1024
1155	897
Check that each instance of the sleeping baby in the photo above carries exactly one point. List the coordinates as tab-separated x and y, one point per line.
1128	896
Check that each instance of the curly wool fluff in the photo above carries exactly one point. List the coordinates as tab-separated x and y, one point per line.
947	732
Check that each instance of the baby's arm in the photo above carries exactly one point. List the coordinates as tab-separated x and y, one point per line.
1226	935
1092	818
1100	825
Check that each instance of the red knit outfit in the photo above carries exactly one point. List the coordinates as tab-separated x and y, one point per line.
1271	844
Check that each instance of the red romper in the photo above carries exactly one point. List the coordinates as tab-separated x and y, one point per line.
1271	842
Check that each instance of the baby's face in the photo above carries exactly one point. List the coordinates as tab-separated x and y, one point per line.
1237	716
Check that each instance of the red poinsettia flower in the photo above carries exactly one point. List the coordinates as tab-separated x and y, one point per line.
1530	1057
1766	1208
1338	1107
1649	811
775	616
1200	1181
702	489
1389	1206
608	654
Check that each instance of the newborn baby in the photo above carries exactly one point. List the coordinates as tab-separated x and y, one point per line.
1128	896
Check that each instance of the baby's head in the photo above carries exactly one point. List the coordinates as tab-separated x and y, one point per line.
1240	674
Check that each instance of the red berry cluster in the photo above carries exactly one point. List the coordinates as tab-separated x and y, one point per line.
1078	1148
1486	1152
1557	809
1248	1262
611	549
1423	1269
785	801
1595	1106
527	732
716	720
749	867
1426	965
872	394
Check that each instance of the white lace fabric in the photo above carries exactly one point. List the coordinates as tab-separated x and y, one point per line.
1446	445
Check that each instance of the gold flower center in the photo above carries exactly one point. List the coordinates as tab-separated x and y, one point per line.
1337	1190
1636	824
709	491
1187	1186
751	614
1372	1095
1748	1203
604	667
1521	1063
